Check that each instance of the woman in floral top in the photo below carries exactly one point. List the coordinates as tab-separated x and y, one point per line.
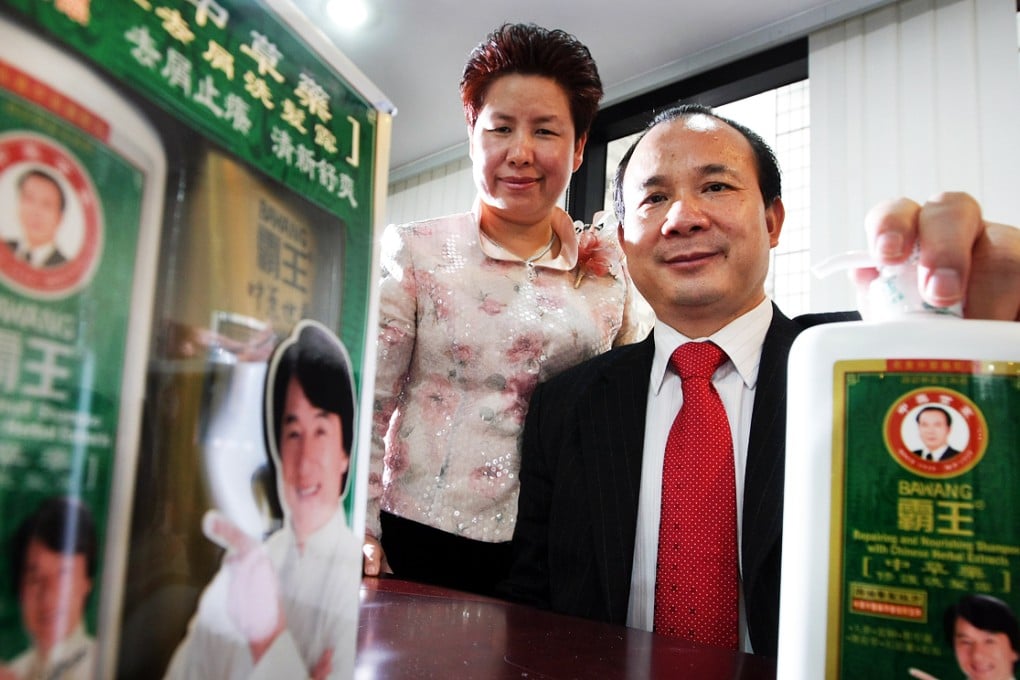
477	308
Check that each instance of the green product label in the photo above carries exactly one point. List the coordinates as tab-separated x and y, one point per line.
925	479
64	307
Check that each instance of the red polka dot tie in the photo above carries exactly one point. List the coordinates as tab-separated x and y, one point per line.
697	573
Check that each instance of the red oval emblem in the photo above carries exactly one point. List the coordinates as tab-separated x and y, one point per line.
79	234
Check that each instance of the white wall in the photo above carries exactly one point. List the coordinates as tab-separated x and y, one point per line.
440	191
915	98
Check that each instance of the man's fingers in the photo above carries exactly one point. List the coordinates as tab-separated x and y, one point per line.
220	530
324	666
948	232
994	290
891	229
951	232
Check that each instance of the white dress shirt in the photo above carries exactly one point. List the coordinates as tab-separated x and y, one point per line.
37	256
935	455
735	380
71	659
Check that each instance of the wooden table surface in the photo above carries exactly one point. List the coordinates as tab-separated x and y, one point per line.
411	630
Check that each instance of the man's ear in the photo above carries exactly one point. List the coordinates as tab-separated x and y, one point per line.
774	216
619	237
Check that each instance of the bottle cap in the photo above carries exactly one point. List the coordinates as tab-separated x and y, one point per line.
894	294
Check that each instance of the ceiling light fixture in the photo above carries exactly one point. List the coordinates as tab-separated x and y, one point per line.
347	14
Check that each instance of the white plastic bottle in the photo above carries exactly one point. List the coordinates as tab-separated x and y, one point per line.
878	540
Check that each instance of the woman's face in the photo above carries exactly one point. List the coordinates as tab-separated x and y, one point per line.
523	149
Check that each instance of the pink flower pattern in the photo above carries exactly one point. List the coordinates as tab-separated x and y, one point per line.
491	305
396	457
462	353
441	399
594	256
526	349
485	481
519	388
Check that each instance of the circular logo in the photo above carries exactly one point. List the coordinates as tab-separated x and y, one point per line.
53	230
936	432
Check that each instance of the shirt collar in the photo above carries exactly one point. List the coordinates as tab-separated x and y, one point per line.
741	339
74	646
36	256
561	224
323	540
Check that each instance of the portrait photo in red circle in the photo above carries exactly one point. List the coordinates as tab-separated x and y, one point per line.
51	222
936	432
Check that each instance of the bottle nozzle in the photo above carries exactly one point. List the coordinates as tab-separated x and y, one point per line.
852	259
894	293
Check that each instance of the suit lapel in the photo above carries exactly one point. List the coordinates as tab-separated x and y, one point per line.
612	442
766	449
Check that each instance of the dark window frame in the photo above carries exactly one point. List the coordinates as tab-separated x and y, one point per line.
766	70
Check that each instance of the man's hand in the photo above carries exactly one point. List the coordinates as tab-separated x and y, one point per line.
962	257
374	558
324	666
253	592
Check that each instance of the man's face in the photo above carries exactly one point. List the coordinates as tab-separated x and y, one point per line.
313	460
934	429
696	231
39	209
54	588
982	654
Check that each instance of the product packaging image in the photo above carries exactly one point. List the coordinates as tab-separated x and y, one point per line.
901	500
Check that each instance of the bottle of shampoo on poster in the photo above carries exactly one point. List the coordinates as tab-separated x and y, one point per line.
902	491
75	327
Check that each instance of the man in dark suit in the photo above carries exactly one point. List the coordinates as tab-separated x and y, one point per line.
933	425
699	202
41	206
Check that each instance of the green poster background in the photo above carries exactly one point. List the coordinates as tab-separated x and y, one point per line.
910	542
240	76
39	456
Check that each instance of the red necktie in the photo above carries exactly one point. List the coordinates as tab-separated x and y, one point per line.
697	574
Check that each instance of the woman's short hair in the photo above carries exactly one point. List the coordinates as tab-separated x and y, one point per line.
528	49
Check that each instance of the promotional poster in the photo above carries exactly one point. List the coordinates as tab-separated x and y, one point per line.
189	194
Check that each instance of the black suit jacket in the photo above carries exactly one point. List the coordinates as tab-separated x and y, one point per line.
946	455
580	479
55	258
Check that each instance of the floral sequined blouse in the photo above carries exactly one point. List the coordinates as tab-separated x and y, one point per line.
466	332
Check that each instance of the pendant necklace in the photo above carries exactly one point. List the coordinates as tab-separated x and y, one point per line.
529	262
